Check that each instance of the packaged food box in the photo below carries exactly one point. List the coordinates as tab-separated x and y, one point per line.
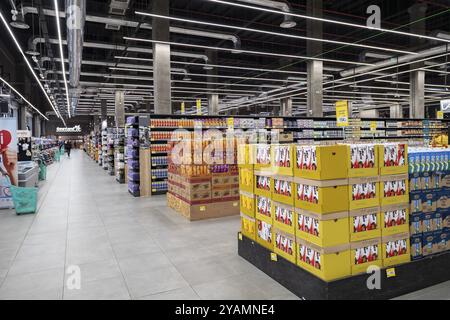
441	239
427	181
321	162
264	234
283	189
363	193
244	156
282	159
415	182
446	221
321	196
428	199
330	263
365	224
283	217
248	226
443	200
395	219
393	158
416	247
322	230
263	183
285	245
394	189
263	208
364	254
247	203
428	222
415	223
429	243
261	156
396	249
362	160
438	223
415	202
246	179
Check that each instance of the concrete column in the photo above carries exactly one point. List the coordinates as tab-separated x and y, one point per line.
314	68
417	95
22	118
396	111
103	109
213	99
36	126
213	104
119	109
161	59
286	107
43	128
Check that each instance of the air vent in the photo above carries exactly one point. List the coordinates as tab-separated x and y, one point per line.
118	7
115	27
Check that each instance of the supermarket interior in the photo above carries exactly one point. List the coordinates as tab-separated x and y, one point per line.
224	150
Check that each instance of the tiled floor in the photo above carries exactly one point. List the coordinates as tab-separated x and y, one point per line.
125	247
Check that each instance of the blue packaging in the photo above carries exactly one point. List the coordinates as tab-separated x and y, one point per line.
429	200
416	247
415	201
428	243
415	223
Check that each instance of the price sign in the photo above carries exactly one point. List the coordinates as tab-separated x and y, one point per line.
199	107
230	123
440	114
342	113
373	126
183	109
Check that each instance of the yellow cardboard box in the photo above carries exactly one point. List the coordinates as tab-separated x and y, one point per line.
396	249
393	158
261	155
365	254
321	162
282	157
285	245
326	263
322	230
321	196
363	193
247	203
263	208
362	160
365	224
248	226
263	182
395	219
394	189
244	156
283	217
283	189
246	179
264	234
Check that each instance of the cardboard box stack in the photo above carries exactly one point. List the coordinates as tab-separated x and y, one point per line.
429	181
201	190
333	210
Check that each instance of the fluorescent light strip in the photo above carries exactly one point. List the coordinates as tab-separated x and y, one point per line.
248	51
348	24
23	98
61	53
273	33
407	83
5	23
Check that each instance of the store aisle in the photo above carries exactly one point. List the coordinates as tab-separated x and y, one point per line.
125	247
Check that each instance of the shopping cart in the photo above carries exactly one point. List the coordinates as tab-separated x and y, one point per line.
25	199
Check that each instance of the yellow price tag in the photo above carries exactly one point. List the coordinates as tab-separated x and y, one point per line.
373	126
202	208
199	107
342	113
240	236
273	256
390	273
183	109
230	123
440	115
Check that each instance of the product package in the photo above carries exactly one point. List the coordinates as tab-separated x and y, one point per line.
393	158
282	159
365	224
363	193
364	254
394	189
261	155
247	203
263	208
283	217
416	247
285	245
396	249
363	160
395	219
246	180
264	234
282	190
248	226
263	182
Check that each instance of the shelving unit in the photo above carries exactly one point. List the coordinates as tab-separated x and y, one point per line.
119	155
132	155
104	148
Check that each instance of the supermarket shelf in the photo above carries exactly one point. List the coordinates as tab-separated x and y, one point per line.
159	178
433	270
158	192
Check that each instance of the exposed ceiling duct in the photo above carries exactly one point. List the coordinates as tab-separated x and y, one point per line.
288	22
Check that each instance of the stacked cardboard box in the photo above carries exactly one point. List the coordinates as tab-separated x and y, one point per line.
429	180
332	210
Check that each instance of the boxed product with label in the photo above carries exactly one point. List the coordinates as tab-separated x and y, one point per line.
416	223
282	189
393	158
441	239
322	230
428	222
429	243
283	217
429	199
263	208
364	254
396	249
363	160
263	183
321	162
415	202
220	193
261	155
365	224
416	247
244	157
395	219
246	179
264	234
248	226
247	203
394	189
415	182
437	221
363	193
285	245
282	159
443	200
428	181
321	196
234	192
446	221
330	263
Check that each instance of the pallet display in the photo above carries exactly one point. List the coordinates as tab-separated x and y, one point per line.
111	133
132	155
119	155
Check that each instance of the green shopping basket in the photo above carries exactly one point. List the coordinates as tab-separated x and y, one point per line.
42	172
25	199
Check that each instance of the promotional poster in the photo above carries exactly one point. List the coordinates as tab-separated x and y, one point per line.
8	160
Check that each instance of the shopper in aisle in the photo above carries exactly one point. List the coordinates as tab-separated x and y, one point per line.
68	147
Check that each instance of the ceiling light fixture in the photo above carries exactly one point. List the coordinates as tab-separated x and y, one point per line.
348	24
273	33
61	53
5	23
273	54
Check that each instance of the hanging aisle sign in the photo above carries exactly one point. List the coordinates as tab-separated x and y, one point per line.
199	107
342	113
74	129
